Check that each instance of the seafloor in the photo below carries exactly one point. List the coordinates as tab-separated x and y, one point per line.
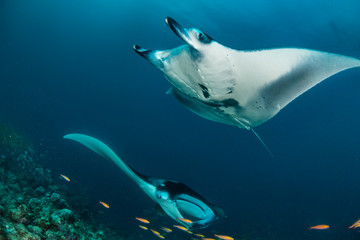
32	205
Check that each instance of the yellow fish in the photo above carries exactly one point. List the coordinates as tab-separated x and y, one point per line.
181	227
224	237
199	235
143	227
185	220
168	230
155	232
104	204
143	220
65	177
356	224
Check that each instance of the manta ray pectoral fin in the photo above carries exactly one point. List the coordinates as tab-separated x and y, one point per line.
103	150
298	70
159	210
171	209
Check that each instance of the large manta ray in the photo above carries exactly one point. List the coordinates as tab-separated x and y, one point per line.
175	198
241	88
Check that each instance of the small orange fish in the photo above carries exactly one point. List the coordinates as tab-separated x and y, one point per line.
208	239
65	177
104	204
320	227
356	224
155	232
165	229
199	235
143	220
143	227
185	220
181	228
224	237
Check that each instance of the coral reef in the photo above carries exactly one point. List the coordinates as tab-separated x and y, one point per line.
32	206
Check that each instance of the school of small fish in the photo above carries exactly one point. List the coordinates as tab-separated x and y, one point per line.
166	230
198	236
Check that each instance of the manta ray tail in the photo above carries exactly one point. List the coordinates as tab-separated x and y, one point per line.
242	125
267	149
103	150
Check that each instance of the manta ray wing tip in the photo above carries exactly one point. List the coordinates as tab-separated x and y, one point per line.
67	136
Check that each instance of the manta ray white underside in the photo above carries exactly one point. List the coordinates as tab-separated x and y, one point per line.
241	88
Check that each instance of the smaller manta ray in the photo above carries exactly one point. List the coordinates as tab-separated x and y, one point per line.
240	88
175	198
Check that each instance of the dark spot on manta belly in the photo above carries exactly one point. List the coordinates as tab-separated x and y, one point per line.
206	94
203	87
205	91
213	104
230	102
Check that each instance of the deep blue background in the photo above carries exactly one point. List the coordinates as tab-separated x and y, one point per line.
68	66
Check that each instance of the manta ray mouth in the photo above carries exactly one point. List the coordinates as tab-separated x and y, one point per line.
180	31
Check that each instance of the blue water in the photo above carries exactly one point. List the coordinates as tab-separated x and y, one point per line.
68	66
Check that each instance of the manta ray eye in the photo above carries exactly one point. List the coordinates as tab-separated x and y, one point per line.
201	36
160	194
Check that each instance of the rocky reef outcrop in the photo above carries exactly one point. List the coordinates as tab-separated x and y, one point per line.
32	206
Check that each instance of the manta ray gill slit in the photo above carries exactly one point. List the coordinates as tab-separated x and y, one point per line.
205	91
